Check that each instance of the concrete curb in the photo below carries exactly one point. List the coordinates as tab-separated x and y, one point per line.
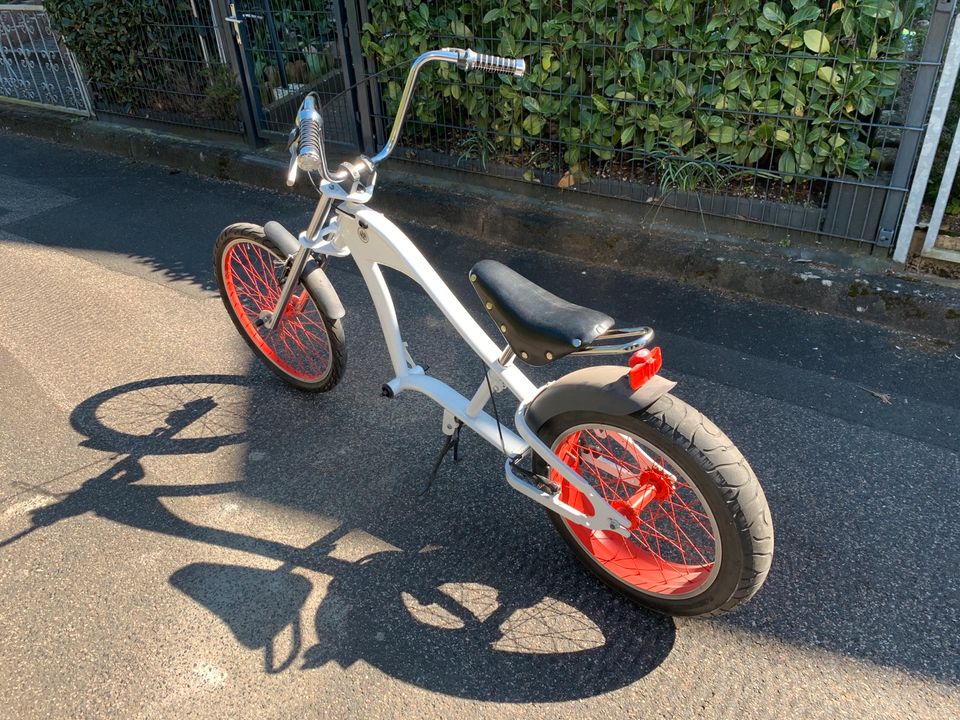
630	236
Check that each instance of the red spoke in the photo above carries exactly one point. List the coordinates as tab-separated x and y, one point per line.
672	549
299	345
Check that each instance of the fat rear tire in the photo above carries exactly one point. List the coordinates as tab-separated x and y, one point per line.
724	481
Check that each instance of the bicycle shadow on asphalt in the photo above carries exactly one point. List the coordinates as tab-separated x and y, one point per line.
519	624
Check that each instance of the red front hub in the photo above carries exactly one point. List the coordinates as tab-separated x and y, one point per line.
296	304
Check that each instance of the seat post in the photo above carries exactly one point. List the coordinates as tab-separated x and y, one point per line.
507	356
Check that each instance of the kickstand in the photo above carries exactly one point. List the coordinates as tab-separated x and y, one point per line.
452	440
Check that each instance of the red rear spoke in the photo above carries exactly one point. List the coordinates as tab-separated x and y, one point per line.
673	549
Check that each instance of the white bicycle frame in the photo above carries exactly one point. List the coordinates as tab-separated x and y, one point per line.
342	225
375	242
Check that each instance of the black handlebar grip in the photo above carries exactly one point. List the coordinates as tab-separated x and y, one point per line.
506	66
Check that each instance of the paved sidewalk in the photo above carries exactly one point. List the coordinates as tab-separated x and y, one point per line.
182	536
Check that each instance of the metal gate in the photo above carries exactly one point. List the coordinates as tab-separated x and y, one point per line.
289	48
35	67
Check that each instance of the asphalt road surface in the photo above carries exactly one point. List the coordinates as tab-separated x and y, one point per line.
183	536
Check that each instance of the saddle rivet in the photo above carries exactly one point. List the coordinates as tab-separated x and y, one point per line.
577	343
489	306
524	355
473	278
503	328
549	356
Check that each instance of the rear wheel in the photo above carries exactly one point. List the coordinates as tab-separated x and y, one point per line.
701	540
305	348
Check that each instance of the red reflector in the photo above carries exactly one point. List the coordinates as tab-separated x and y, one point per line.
644	364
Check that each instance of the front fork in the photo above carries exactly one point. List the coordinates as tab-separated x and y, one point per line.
296	264
270	318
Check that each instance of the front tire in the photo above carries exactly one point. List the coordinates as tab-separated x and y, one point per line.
704	544
306	348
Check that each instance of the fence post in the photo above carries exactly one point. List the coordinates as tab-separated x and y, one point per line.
222	9
350	16
931	141
917	112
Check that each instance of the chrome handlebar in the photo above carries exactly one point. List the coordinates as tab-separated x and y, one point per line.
307	136
492	63
465	60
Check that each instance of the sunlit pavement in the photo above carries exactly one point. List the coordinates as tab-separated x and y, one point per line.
183	536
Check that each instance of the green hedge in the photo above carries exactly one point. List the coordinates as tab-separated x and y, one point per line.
628	78
111	37
145	53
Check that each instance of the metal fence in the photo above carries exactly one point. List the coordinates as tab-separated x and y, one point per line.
35	68
804	115
181	76
800	115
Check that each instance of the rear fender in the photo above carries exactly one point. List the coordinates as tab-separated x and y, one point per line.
605	389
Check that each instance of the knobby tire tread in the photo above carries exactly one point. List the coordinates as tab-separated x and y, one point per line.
729	470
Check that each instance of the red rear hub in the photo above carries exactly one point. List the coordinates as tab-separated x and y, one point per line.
654	485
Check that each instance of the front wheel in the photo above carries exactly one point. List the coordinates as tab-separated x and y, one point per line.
701	540
305	348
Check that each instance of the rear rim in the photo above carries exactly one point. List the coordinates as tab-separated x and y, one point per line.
299	344
674	549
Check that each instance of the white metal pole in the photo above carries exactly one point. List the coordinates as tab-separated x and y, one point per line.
928	151
203	40
943	194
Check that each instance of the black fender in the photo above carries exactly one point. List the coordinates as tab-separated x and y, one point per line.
313	276
604	388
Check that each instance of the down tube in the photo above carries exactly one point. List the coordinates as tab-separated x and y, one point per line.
386	313
390	247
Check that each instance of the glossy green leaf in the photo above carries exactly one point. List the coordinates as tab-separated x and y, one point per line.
816	41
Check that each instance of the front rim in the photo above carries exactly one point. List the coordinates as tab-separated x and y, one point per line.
299	344
674	550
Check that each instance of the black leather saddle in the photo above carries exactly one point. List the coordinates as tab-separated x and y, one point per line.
539	326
